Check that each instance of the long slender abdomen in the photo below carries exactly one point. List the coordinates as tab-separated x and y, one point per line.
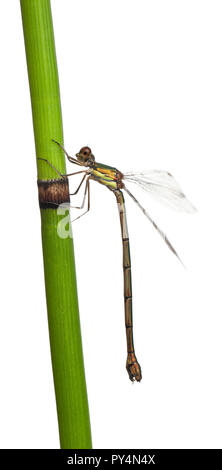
132	365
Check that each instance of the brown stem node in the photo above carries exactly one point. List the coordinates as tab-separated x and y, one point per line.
52	193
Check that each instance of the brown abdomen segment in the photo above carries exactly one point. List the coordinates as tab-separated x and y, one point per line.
132	365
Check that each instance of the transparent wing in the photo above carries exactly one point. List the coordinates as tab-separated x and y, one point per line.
163	187
161	233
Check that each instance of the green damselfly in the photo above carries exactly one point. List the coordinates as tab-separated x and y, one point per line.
161	185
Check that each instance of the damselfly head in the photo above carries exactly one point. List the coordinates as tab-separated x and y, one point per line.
85	156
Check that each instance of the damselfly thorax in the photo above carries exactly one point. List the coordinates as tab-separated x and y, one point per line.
161	185
107	175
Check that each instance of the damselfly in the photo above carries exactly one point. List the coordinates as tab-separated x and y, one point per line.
161	185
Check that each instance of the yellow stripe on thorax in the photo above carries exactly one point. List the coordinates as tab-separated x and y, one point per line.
105	176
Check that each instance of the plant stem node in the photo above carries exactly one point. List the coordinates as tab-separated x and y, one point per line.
53	192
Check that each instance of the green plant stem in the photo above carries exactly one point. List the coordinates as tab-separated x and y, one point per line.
59	266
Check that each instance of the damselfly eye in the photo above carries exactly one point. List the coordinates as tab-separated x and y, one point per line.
85	155
86	151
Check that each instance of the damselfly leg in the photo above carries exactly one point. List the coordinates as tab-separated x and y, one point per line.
65	176
87	191
77	190
71	159
57	171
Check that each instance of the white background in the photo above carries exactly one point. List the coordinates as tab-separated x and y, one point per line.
141	84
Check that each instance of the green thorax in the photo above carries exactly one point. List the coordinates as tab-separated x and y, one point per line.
105	174
101	165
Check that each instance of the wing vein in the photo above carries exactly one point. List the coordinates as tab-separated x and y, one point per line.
161	233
